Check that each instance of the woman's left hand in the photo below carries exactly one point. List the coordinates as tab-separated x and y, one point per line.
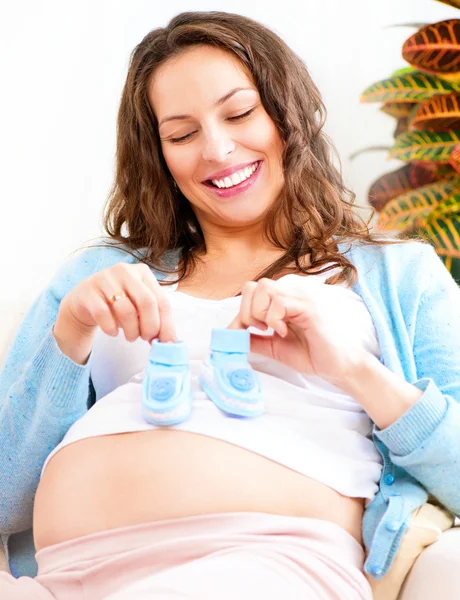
307	337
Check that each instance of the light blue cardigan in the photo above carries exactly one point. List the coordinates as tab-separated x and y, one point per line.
415	306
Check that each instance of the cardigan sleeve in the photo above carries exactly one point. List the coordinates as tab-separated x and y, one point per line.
425	441
42	393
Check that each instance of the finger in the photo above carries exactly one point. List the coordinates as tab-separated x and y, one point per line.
246	316
146	303
113	283
276	314
261	299
96	306
167	330
125	313
290	310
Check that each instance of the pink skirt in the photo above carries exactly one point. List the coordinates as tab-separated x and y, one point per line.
217	556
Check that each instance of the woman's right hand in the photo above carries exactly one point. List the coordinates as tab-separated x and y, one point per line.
144	312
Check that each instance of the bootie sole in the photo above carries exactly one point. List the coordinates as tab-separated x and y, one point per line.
234	407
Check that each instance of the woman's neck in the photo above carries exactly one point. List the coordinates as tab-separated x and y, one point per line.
244	248
240	258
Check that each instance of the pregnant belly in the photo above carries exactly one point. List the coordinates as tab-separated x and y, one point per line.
112	481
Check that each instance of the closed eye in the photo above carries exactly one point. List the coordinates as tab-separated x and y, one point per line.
246	114
181	139
235	118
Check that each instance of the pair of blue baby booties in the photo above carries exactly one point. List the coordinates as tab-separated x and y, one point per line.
226	377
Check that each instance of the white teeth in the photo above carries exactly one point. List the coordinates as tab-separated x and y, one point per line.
235	178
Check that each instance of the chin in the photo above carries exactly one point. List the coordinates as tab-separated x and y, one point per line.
247	218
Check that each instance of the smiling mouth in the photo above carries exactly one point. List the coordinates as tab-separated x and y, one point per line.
235	179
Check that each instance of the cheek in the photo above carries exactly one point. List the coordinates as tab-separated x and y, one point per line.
264	137
179	161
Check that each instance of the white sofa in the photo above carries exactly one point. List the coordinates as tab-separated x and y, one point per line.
434	575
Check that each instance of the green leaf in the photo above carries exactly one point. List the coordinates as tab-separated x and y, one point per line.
405	210
403	71
453	265
448	207
398	109
444	233
411	87
414	110
425	146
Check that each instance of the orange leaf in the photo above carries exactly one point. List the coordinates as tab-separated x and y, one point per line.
393	184
439	113
454	159
435	48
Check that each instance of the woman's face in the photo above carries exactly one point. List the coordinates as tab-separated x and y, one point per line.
219	143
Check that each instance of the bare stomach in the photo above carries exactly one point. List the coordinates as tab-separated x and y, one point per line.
120	480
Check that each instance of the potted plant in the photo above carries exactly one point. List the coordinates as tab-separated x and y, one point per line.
422	198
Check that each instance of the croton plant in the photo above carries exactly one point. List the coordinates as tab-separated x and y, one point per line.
422	198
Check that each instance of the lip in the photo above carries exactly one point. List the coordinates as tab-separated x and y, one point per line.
229	171
237	189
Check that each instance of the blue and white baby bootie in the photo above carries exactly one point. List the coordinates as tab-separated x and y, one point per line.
227	377
166	389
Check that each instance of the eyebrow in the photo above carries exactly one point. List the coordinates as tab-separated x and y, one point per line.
218	103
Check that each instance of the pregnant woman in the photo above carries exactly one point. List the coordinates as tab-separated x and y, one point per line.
227	212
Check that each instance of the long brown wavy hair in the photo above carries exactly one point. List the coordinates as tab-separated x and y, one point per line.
149	216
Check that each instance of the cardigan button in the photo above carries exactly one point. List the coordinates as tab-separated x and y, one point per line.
376	570
389	479
393	526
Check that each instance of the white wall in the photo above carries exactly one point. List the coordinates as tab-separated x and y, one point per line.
62	66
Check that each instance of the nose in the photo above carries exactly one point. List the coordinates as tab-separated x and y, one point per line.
217	145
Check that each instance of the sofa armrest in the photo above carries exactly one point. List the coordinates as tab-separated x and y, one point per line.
3	560
435	574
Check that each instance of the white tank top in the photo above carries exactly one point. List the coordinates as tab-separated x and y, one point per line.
308	425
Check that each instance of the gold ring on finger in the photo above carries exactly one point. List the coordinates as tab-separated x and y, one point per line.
117	296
